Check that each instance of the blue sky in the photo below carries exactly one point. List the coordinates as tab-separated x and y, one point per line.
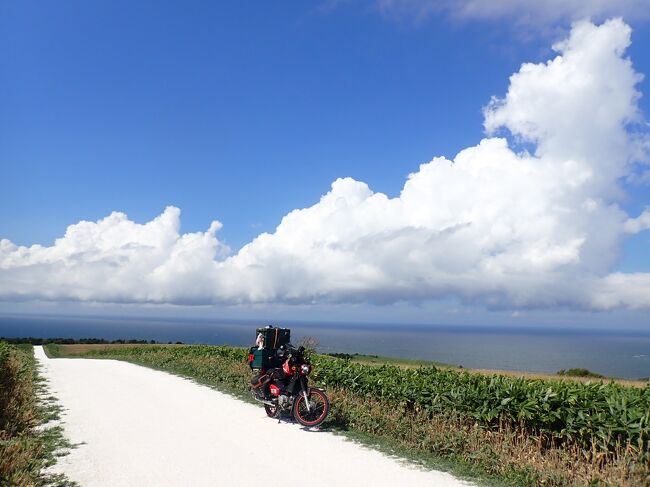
230	111
244	111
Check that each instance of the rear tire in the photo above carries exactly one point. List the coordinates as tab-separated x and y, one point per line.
271	411
319	406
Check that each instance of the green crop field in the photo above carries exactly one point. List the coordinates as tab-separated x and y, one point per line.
606	415
508	430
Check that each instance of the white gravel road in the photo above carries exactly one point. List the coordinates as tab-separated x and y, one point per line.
141	427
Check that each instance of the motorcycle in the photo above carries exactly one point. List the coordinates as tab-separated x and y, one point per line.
286	390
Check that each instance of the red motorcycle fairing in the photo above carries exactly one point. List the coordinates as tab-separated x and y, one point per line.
275	390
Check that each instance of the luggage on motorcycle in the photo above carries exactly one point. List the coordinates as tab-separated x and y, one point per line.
274	337
263	358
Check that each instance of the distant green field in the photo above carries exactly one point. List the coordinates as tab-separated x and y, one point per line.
382	360
581	375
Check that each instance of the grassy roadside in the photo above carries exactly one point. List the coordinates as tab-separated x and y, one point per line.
27	444
495	451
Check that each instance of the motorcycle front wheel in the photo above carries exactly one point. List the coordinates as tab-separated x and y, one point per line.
319	407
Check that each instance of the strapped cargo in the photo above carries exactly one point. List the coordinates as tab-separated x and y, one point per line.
272	338
262	358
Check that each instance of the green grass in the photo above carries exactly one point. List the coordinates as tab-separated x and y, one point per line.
27	444
53	350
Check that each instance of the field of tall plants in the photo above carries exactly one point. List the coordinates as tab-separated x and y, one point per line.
597	414
515	430
26	447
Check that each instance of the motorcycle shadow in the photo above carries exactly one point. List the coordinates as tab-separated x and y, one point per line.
308	429
313	429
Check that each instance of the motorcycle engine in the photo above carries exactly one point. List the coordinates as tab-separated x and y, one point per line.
284	402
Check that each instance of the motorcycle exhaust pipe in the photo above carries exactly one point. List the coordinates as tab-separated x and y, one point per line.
264	401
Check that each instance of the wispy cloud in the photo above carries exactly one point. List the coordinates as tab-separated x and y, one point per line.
496	225
537	14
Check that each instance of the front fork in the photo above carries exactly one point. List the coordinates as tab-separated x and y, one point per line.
305	392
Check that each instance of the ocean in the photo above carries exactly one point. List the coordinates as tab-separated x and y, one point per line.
624	354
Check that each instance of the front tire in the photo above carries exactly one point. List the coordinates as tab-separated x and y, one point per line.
319	407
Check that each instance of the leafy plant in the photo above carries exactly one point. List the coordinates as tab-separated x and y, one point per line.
26	448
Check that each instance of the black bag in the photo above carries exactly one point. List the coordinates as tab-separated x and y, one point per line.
274	337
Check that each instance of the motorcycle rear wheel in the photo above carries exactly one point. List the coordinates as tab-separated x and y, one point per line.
319	407
271	411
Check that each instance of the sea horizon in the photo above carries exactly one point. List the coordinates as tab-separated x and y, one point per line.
623	353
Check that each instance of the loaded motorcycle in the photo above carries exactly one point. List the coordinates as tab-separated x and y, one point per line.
285	389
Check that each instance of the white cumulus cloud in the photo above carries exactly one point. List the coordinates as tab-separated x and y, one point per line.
497	225
638	224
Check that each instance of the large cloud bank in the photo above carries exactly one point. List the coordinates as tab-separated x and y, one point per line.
495	226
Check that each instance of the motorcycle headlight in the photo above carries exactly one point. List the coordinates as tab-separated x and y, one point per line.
305	369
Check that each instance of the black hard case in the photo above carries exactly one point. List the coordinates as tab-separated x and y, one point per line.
274	337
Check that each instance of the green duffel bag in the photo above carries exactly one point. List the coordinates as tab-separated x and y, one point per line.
264	358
